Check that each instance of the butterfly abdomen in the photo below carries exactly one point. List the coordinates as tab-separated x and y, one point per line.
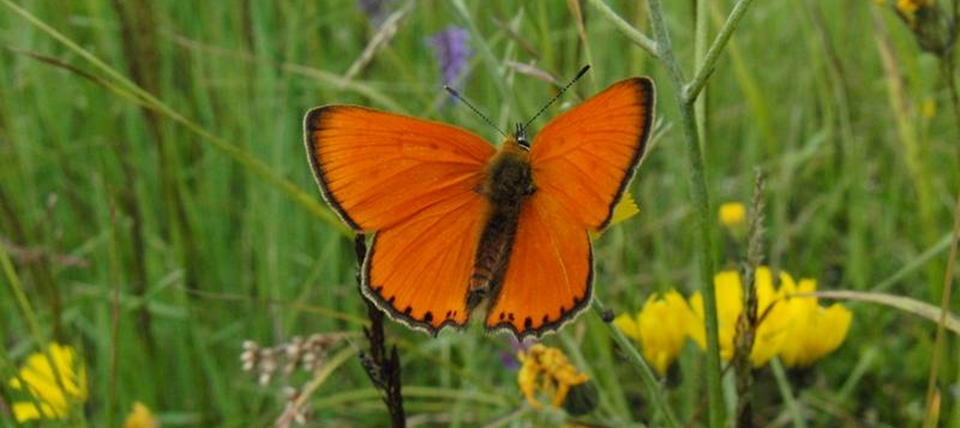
507	184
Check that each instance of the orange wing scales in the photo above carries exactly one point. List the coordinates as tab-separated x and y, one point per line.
581	163
418	271
607	133
550	273
425	188
377	169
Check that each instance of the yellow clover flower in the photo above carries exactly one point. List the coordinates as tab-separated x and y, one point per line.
661	328
547	369
814	331
56	389
773	322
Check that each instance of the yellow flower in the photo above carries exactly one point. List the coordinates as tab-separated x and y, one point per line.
661	328
626	208
814	331
770	333
55	388
547	369
732	215
141	417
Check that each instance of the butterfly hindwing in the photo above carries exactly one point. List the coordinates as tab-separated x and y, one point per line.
419	269
548	278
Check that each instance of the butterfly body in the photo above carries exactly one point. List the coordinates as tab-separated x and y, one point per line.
508	182
456	222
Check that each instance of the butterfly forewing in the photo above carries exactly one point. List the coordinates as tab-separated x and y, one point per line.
377	169
585	157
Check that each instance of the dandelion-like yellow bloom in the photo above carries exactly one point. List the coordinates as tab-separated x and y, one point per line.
141	417
732	214
661	328
547	369
770	333
55	388
814	331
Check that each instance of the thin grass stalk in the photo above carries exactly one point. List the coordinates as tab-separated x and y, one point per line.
783	384
701	204
625	28
747	322
929	419
692	89
701	29
646	374
16	288
932	402
915	156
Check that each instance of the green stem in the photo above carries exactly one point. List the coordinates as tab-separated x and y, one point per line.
701	204
692	90
701	29
17	289
929	416
649	379
783	384
626	28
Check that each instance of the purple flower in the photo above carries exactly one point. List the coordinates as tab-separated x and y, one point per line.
509	359
452	52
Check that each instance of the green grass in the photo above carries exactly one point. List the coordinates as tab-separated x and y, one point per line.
193	212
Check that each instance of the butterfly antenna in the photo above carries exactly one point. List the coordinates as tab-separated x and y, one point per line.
455	94
555	98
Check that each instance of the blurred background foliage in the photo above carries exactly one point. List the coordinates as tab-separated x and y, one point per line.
155	236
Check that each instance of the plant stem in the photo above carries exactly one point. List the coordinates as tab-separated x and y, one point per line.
701	204
929	416
783	384
16	289
382	367
747	324
649	379
628	30
692	90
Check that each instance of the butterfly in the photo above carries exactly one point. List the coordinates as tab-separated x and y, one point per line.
461	227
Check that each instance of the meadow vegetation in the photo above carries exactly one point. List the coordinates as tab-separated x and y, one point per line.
158	215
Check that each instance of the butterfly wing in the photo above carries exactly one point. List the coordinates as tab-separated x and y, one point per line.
377	169
586	157
548	278
414	183
419	270
581	163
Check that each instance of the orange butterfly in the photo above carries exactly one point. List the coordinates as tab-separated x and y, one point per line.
458	223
